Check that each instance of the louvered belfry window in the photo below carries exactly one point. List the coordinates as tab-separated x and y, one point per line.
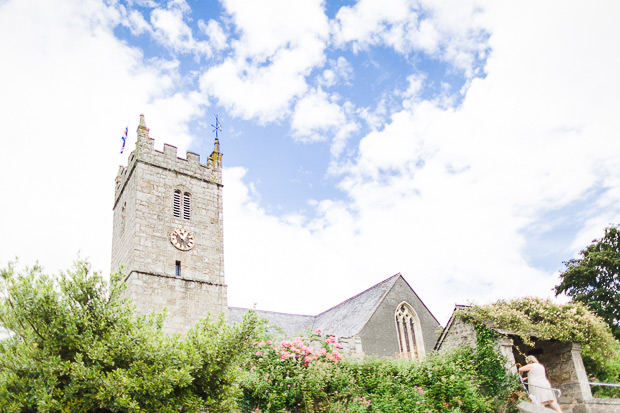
406	320
182	208
186	205
176	206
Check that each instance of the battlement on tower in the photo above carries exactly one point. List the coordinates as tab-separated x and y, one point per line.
211	171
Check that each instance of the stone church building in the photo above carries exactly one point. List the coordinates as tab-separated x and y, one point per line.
168	237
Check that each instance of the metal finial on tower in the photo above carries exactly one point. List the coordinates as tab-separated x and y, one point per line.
217	127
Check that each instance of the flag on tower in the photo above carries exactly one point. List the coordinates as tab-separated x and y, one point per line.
124	138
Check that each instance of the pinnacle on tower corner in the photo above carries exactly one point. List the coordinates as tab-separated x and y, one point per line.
143	130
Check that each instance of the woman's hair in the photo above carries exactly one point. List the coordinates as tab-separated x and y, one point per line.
531	359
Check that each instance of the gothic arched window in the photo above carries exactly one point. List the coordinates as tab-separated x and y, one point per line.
409	332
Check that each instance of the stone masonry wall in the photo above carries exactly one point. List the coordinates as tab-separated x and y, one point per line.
186	301
144	220
460	334
565	371
600	406
351	346
148	193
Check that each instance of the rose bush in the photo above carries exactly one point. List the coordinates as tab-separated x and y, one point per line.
308	374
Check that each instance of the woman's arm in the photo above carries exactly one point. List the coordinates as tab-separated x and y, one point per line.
525	368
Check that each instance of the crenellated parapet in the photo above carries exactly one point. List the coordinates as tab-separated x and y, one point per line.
145	153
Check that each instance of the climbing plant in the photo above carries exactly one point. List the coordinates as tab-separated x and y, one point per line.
532	317
490	364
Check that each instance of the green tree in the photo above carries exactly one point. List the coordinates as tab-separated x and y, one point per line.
594	280
74	344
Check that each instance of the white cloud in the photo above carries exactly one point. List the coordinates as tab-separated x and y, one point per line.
415	82
280	43
370	22
170	30
445	195
137	24
69	92
215	33
339	71
318	117
316	112
453	31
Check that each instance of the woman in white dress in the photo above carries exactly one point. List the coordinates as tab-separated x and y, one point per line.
539	386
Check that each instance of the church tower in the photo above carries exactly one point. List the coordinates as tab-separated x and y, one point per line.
168	232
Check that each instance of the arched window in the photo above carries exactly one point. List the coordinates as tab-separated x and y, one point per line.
176	204
409	333
186	205
181	206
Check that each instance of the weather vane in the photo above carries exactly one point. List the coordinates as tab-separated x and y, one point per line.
217	127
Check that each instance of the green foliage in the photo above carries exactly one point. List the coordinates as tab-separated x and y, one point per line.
531	317
535	317
491	365
75	345
291	374
458	382
594	280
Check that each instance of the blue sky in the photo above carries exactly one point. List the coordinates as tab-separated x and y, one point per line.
470	145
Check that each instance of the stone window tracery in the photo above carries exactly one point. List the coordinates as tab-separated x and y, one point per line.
409	332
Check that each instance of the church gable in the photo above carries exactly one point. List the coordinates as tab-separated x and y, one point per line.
388	319
382	335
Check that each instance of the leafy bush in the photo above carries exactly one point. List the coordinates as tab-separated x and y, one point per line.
291	374
75	345
458	381
594	279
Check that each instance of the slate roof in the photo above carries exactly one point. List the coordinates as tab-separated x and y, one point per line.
343	320
291	324
349	317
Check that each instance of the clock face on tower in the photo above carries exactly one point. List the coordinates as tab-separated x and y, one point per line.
182	239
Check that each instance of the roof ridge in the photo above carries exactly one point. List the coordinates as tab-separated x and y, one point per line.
362	293
272	312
